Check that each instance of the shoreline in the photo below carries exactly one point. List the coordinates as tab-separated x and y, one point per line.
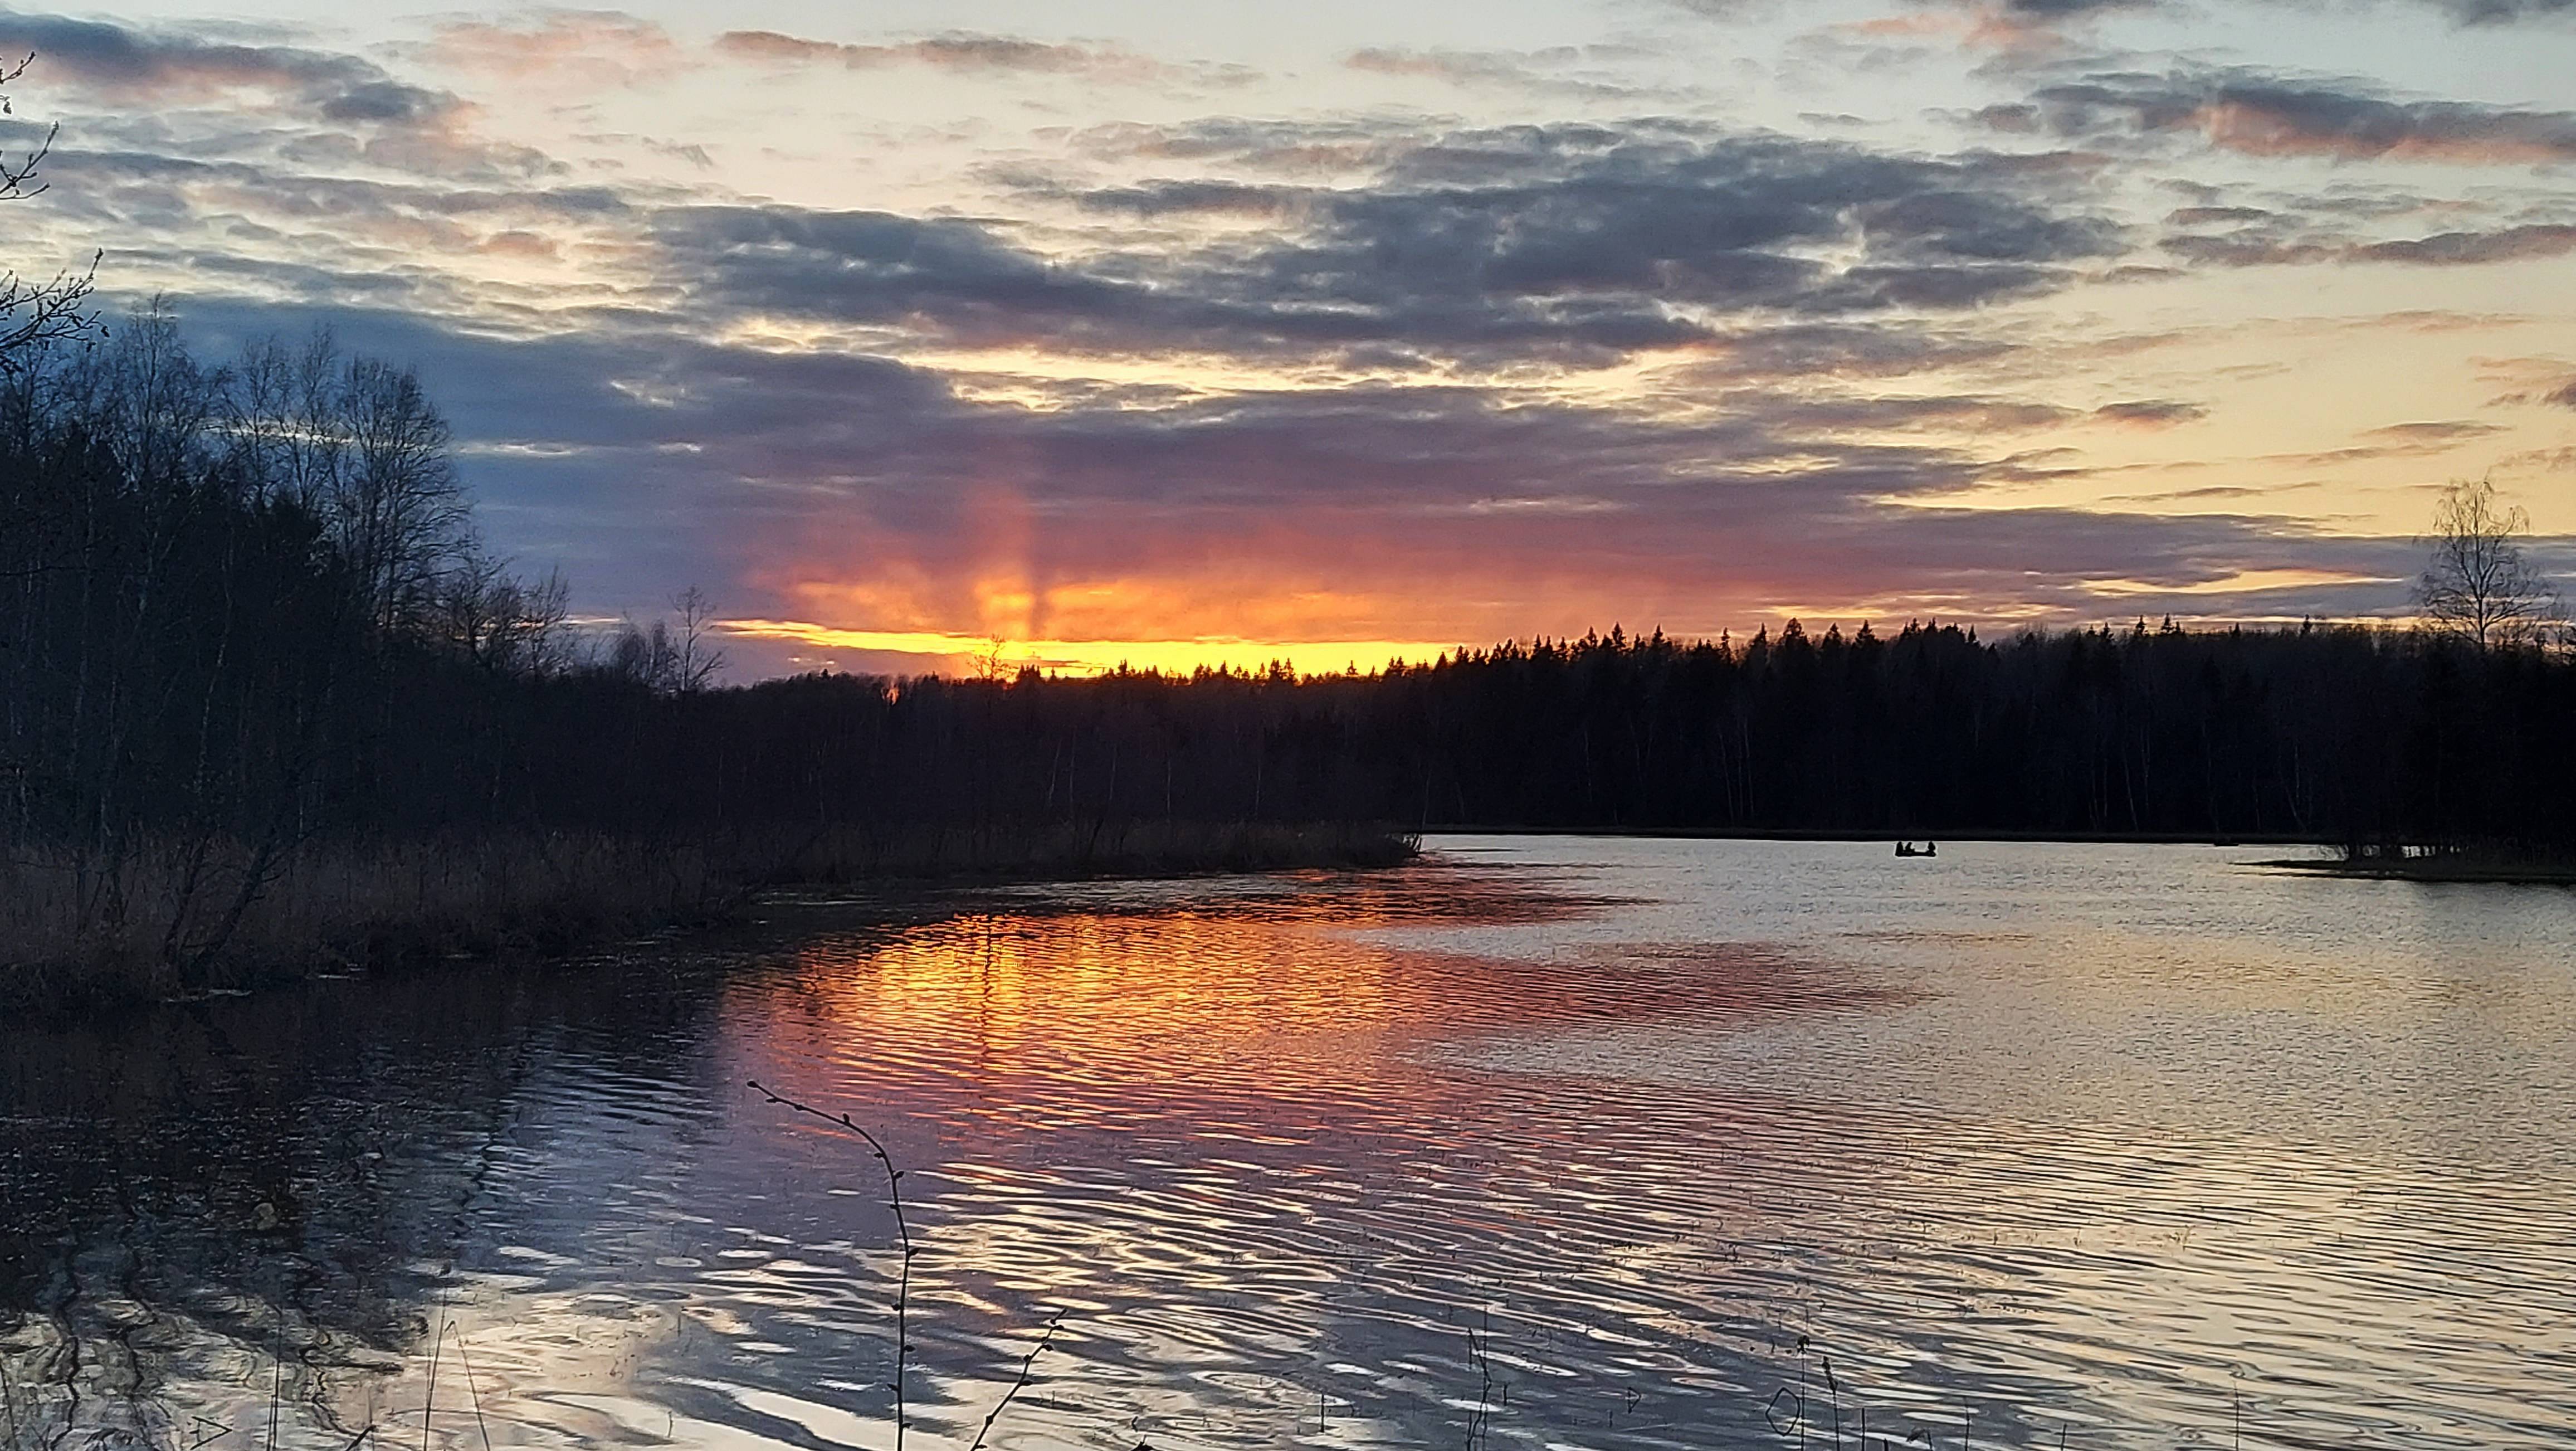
2487	872
519	898
1741	833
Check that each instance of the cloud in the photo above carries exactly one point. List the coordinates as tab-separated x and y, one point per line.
954	280
1603	223
272	229
1841	350
965	52
2503	12
2466	249
2151	413
2256	247
1527	73
2260	115
1198	198
2542	460
596	48
319	110
2458	430
1577	241
2055	9
859	492
2041	15
1321	146
161	68
1356	375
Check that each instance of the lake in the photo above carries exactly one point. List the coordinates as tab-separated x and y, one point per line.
1543	1142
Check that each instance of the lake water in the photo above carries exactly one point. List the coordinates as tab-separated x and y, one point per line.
1544	1142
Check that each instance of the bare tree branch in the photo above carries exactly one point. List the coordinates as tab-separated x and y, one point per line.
36	315
2478	588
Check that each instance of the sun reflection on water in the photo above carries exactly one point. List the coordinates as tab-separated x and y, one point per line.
1422	1159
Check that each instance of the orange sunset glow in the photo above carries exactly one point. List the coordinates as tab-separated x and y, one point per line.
936	338
1051	725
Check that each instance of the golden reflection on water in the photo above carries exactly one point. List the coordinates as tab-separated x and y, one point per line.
2052	1145
1156	995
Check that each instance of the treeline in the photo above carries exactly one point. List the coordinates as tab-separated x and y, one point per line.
256	664
265	696
2340	734
223	591
244	608
207	579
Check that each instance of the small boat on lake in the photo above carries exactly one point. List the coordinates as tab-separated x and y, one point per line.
1907	848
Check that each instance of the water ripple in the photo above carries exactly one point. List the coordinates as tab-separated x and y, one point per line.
1597	1144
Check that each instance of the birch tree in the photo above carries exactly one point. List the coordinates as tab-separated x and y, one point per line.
2478	587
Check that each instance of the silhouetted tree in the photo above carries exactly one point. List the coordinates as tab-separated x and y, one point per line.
34	315
2478	586
697	662
669	656
393	501
484	613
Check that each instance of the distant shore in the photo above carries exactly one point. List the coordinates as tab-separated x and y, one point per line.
1738	833
2504	871
357	907
2447	867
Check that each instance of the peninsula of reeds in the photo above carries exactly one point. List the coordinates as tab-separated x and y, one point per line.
268	708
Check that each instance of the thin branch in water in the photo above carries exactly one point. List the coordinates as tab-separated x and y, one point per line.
429	1398
1027	1366
903	1230
472	1392
1834	1390
276	1384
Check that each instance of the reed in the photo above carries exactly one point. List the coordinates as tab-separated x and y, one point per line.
174	919
333	907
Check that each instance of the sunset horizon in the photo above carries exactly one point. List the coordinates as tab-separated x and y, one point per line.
1118	332
1121	725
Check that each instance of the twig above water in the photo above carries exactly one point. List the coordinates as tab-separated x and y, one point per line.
903	1231
1027	1366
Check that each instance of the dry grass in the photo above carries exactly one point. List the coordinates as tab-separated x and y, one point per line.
340	906
1084	849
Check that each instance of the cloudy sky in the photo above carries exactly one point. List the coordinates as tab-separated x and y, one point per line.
1174	332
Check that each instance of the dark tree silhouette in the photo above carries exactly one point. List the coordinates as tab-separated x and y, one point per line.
34	315
2478	587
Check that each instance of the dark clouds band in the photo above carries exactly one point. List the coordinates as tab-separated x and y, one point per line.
1828	331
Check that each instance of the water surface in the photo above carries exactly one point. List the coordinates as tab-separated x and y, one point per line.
1544	1142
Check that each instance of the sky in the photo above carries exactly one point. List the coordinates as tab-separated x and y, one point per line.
922	335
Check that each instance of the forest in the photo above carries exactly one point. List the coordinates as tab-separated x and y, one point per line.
261	682
266	698
2342	734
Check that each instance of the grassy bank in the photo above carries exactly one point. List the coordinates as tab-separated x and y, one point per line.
2514	868
162	923
1085	849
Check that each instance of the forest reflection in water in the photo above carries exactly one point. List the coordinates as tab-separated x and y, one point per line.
1613	1144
